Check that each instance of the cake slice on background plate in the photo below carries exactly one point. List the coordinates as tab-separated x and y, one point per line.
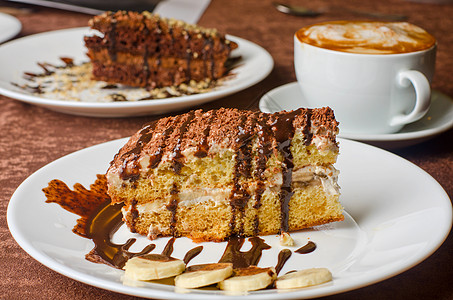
145	50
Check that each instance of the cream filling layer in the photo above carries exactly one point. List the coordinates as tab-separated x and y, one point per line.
221	196
218	196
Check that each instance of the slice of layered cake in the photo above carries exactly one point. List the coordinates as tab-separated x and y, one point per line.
226	172
145	50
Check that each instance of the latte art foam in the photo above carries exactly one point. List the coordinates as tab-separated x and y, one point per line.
367	37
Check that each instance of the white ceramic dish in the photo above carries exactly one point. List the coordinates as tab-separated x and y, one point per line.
9	27
393	221
438	119
17	57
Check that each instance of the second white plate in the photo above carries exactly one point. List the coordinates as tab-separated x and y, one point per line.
22	55
394	220
9	27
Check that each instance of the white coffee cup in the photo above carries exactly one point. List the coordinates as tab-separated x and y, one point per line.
369	93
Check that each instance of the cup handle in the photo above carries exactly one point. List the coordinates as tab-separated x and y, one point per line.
422	93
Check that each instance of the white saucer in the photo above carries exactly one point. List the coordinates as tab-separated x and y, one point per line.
438	119
9	27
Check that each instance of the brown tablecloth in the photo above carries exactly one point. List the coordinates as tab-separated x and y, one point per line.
32	137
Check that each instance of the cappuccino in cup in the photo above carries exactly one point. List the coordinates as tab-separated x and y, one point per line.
375	75
367	37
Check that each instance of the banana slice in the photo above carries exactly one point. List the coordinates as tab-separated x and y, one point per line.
249	279
303	278
152	267
203	275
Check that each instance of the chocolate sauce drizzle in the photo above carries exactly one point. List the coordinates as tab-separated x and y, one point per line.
102	227
134	216
37	89
283	257
192	253
308	248
207	53
156	157
240	259
45	66
132	155
239	195
307	129
264	150
178	158
146	69
109	86
100	220
168	250
68	61
118	97
203	147
283	130
212	65
177	164
172	207
188	57
158	61
112	39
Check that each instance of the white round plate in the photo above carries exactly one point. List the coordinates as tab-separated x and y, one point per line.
438	119
16	58
9	27
393	221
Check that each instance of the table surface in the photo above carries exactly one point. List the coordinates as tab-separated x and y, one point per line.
32	137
